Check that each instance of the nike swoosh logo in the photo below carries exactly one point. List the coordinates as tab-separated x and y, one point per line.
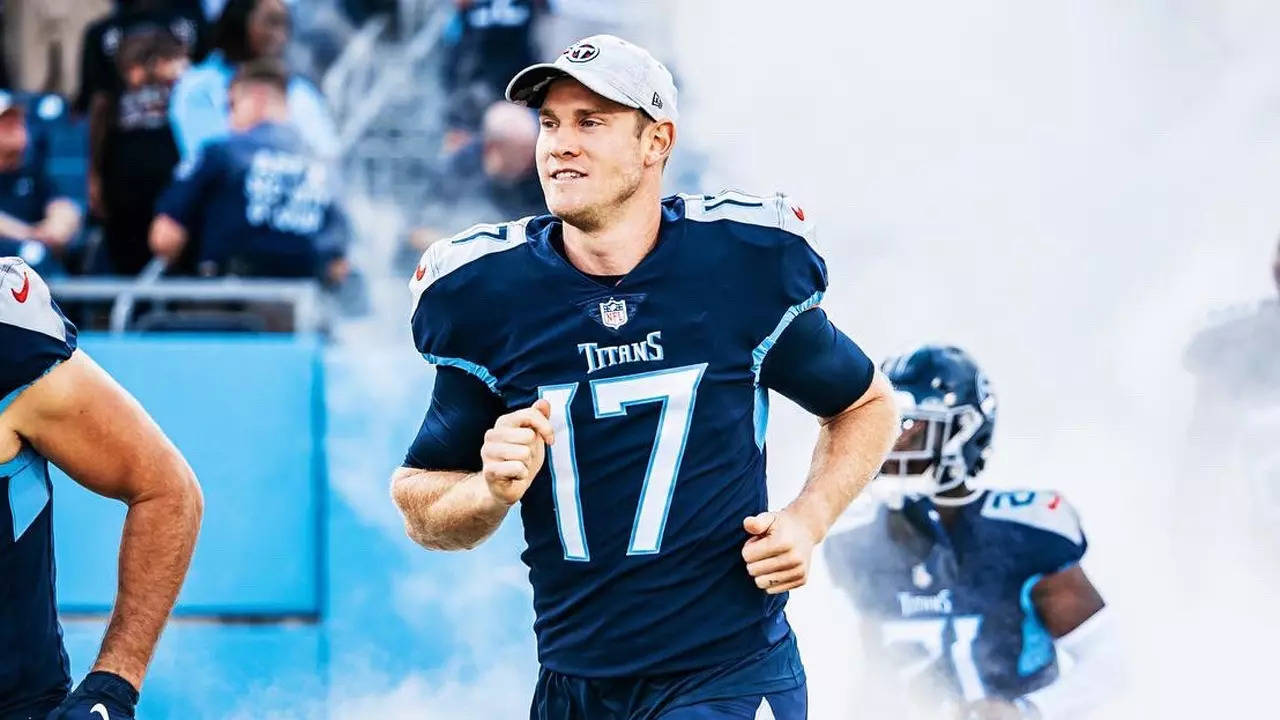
100	710
21	295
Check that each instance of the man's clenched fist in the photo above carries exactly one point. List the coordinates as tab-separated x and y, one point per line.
514	449
777	553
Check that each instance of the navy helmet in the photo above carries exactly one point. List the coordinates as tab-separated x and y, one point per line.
948	416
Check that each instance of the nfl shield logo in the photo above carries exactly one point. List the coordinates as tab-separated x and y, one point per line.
921	577
613	313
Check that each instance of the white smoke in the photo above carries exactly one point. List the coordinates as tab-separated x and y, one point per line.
1065	190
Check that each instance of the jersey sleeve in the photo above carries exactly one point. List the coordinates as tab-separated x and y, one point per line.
784	274
457	308
34	334
462	409
817	366
1049	532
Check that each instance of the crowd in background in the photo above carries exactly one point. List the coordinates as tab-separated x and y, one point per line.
192	134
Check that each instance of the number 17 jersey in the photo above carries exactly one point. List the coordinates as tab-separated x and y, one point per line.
634	524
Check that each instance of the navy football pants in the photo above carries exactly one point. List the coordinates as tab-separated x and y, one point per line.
730	691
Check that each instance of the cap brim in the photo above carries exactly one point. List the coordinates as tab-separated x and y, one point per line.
529	86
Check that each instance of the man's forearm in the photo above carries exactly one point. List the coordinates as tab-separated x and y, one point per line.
155	550
446	510
851	448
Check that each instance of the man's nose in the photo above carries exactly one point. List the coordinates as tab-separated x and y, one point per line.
565	145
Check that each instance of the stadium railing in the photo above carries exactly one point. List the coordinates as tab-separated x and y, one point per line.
302	298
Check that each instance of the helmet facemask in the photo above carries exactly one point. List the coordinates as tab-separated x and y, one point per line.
929	455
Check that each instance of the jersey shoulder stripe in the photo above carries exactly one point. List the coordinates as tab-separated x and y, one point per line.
1040	509
774	211
25	301
447	255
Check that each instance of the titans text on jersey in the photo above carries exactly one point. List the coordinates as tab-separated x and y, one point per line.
951	606
634	524
34	338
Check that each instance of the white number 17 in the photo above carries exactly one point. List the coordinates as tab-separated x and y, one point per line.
675	389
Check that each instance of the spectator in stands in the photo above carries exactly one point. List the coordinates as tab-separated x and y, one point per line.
247	30
36	223
491	177
491	41
259	199
130	63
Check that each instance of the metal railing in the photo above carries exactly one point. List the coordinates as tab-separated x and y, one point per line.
303	297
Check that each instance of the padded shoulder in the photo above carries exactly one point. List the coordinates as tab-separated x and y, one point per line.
775	211
1040	509
25	301
447	255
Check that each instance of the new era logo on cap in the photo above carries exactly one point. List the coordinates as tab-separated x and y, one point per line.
609	66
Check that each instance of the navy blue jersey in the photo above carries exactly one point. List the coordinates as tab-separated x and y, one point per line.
34	337
950	609
258	201
634	524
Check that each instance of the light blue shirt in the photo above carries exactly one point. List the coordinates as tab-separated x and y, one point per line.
198	109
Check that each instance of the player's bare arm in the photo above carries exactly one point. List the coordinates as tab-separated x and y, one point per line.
1065	600
86	424
452	510
851	447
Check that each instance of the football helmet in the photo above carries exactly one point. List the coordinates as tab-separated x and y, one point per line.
948	417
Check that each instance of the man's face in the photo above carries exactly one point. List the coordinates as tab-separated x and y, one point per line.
13	136
268	29
589	155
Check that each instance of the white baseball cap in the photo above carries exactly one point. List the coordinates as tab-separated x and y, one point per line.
609	66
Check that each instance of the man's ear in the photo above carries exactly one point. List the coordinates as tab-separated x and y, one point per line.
661	141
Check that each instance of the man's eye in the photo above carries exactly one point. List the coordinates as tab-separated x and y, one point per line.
548	123
590	122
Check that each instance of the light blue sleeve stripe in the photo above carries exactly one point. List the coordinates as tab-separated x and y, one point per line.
28	490
757	355
760	416
478	371
1037	644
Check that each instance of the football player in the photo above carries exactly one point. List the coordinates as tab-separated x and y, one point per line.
57	406
967	596
608	367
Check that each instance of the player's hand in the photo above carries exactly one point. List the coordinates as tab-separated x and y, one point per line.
995	709
778	552
514	449
100	696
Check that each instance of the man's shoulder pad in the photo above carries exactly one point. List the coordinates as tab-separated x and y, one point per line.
774	211
447	255
1040	509
25	301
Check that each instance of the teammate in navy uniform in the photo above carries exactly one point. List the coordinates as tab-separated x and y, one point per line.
608	367
965	593
57	406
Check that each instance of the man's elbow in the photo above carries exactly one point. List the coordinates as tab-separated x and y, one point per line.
184	490
403	497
